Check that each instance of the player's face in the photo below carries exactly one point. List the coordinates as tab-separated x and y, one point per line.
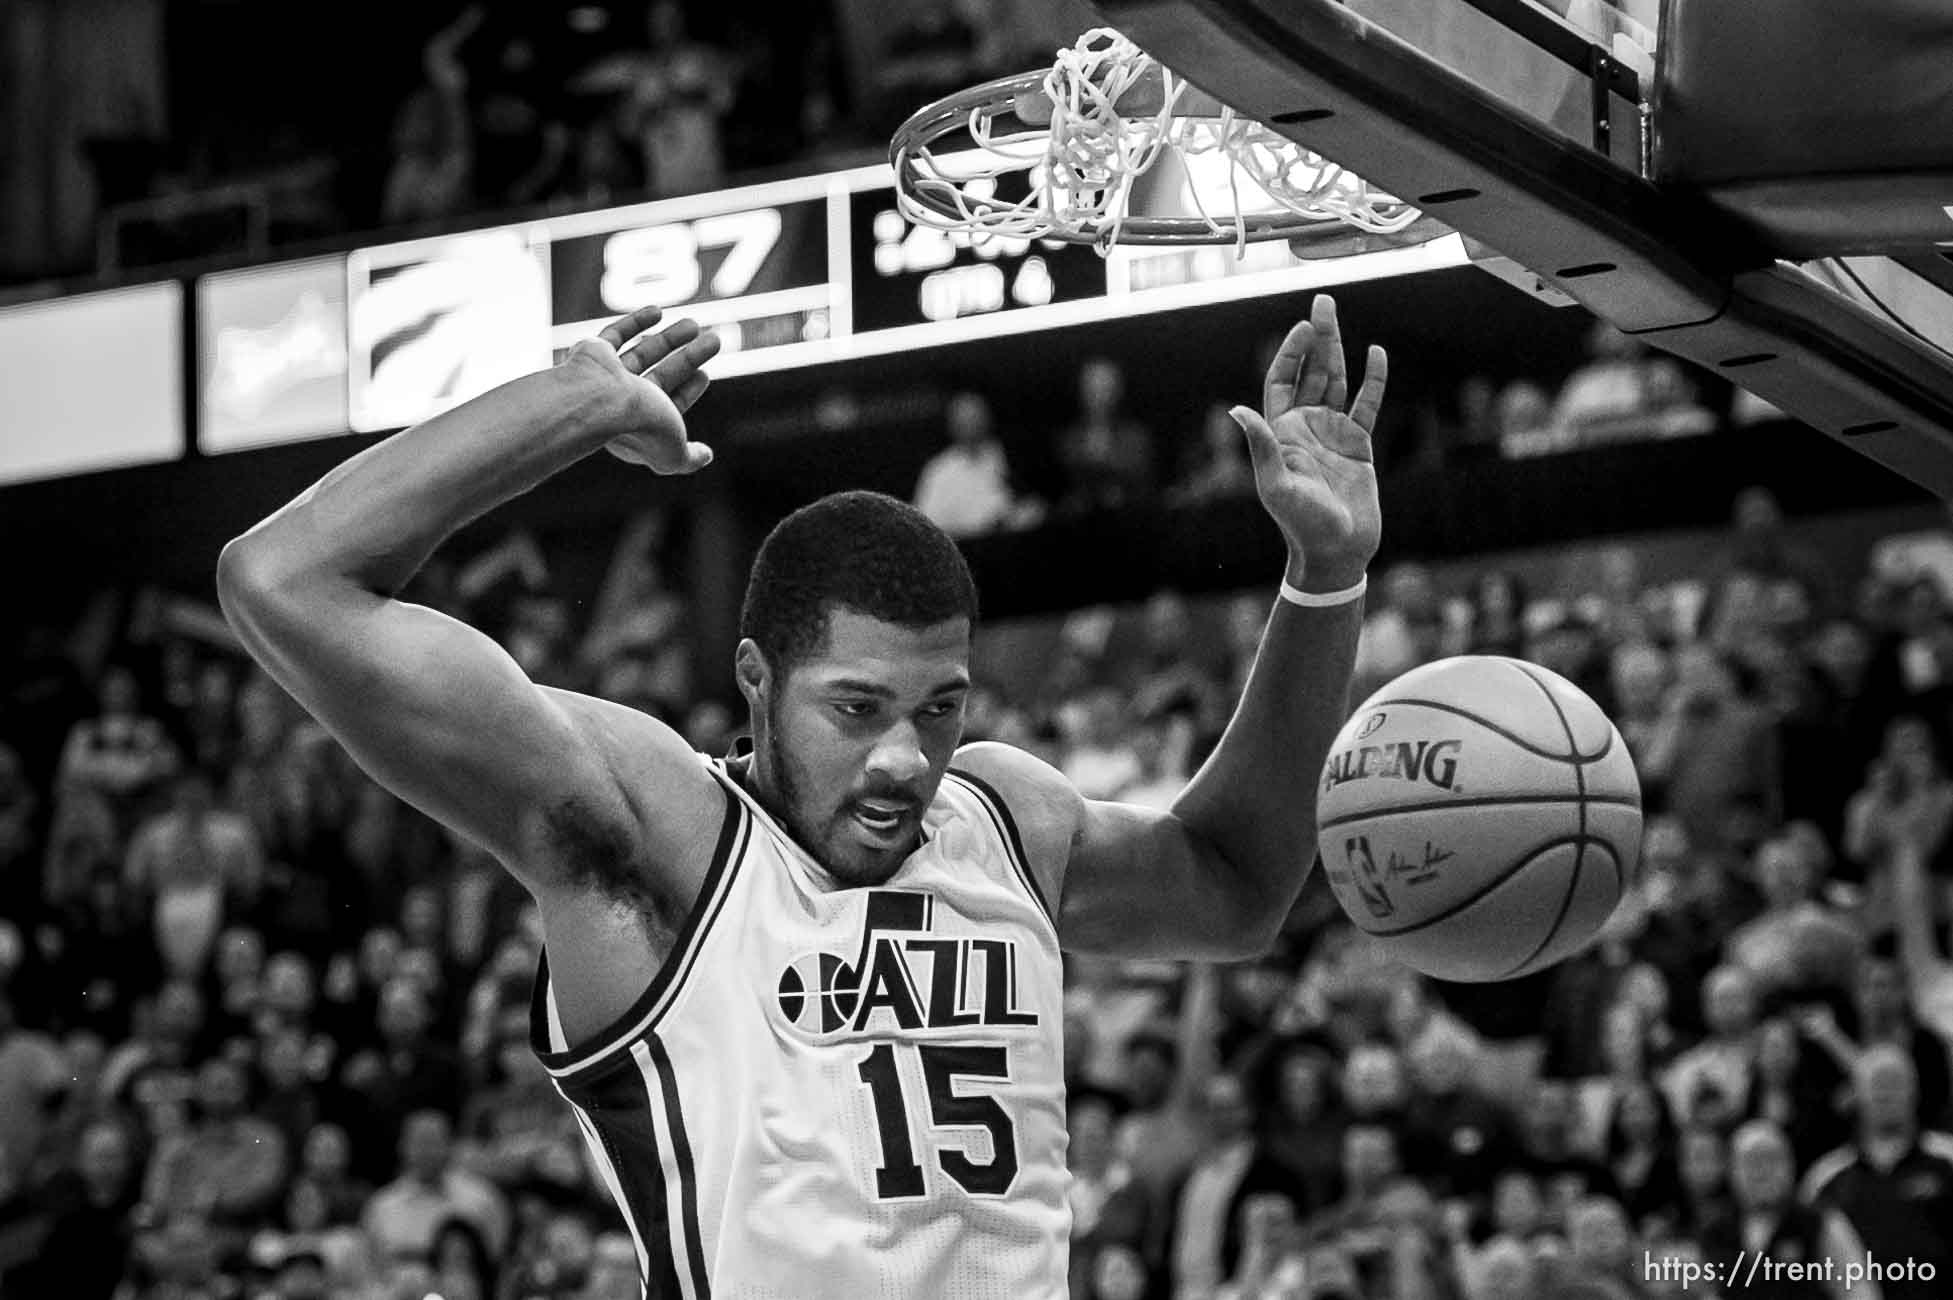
857	736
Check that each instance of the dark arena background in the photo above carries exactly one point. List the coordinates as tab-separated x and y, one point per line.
264	1029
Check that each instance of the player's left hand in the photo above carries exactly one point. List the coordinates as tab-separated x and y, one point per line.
1311	450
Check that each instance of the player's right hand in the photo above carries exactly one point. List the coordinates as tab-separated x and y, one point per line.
653	384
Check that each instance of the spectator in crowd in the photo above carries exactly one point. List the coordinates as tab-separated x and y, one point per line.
1894	1183
1639	675
90	1220
119	755
681	104
521	141
1548	1150
1928	974
1760	543
404	1216
33	1075
1765	1220
1166	1074
1796	1085
1601	1260
1609	391
1620	1067
1233	1166
1906	784
462	1261
1458	1137
1702	1168
1101	759
433	154
1640	1153
1106	455
228	1167
1798	946
1674	410
326	1167
407	1073
1526	423
1883	1015
965	488
1710	1083
1216	466
1302	1124
1109	1205
1402	631
1498	614
156	1064
1714	760
193	865
288	1098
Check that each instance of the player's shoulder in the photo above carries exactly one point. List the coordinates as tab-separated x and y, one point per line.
1037	798
665	787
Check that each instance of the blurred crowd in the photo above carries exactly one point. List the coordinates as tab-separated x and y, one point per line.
478	109
1106	456
502	120
263	1029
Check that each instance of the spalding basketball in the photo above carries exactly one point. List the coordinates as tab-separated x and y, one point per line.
1479	817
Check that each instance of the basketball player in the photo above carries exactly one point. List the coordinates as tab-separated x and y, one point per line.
806	1002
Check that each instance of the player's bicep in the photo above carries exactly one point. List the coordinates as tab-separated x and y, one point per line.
1129	881
1139	884
443	717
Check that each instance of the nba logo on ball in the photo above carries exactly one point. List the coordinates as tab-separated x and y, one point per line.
1480	818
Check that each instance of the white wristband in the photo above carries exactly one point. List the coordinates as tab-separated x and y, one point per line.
1310	600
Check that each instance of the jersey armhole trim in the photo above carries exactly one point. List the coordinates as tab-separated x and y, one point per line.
993	804
644	1014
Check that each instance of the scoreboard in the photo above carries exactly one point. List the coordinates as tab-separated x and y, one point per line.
788	273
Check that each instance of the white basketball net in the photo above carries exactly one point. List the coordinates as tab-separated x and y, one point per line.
1083	166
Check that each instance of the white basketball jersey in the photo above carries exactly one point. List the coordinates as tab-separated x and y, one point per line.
841	1092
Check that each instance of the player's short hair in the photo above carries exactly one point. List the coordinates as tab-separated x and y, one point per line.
859	551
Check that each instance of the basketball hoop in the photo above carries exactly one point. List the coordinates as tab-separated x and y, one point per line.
1085	131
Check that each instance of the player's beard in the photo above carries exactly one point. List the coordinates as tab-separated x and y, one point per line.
856	868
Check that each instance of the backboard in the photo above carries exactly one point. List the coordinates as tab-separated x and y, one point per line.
1533	129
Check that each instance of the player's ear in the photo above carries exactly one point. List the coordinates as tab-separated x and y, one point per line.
753	673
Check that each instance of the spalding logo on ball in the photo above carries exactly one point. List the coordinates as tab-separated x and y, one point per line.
1480	818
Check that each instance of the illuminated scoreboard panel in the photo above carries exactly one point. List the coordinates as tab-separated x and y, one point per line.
790	273
757	274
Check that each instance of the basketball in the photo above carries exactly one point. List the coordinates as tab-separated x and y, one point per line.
1480	818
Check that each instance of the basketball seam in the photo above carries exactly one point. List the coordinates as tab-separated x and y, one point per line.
1580	852
1490	801
1574	757
1487	887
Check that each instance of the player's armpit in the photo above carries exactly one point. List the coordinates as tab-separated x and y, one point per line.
443	717
1130	881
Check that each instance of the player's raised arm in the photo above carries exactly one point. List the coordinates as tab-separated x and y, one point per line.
433	709
1216	876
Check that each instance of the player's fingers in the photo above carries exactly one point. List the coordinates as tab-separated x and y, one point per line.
650	349
1285	371
1263	449
690	391
697	457
625	328
1329	352
672	372
1369	398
